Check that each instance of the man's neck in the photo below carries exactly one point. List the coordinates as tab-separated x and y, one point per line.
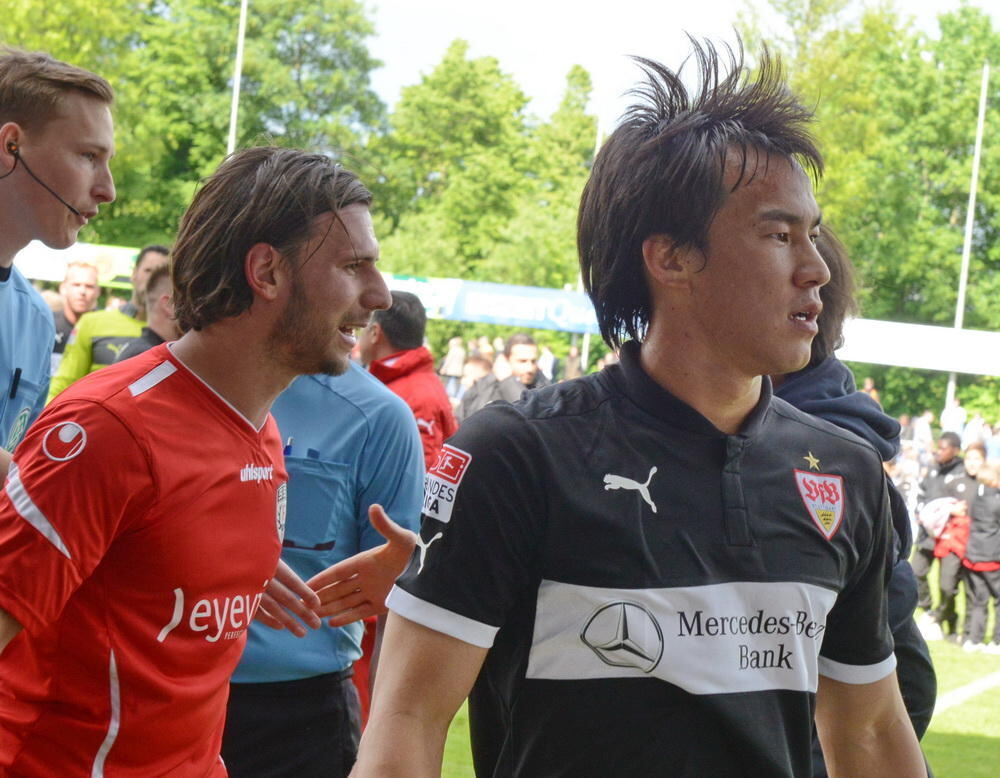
723	396
69	315
242	375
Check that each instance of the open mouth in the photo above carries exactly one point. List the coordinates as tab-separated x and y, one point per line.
804	316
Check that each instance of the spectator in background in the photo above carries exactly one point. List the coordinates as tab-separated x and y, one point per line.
923	434
976	431
870	390
905	427
50	114
392	349
574	368
159	304
949	544
993	446
100	336
548	364
475	367
79	291
936	485
982	563
451	366
953	418
521	353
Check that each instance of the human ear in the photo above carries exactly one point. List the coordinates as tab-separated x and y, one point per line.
265	270
665	263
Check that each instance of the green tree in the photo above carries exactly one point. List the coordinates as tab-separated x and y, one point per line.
538	245
452	166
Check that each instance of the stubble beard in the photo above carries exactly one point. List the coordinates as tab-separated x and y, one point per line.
301	344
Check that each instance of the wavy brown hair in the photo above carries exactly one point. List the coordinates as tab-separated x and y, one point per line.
259	195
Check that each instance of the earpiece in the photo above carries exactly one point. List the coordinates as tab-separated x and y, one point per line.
12	147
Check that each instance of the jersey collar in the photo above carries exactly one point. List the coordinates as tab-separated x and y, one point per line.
653	399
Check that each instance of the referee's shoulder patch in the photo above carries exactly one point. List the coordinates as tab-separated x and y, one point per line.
442	481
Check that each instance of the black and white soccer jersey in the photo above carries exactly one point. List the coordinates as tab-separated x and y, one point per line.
659	597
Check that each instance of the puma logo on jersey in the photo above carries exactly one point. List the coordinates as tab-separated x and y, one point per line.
426	424
621	482
423	549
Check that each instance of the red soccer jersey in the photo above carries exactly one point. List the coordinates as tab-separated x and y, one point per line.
140	523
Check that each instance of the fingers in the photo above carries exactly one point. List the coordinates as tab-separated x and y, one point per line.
286	577
356	614
338	590
335	607
342	571
389	529
287	602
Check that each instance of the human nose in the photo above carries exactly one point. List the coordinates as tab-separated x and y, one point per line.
104	187
377	297
812	270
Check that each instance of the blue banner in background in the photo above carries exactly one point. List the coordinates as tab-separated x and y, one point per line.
529	307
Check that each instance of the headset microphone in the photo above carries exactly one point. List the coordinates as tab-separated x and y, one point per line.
12	149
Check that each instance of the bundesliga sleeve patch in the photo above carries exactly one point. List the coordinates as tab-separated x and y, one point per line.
823	496
442	481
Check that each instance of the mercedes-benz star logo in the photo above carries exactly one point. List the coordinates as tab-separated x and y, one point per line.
625	634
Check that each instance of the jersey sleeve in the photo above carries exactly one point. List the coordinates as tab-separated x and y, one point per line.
78	479
391	473
857	645
483	520
75	363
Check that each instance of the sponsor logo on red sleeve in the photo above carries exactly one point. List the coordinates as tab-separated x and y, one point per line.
64	441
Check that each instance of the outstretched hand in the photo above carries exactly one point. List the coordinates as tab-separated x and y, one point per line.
286	597
356	588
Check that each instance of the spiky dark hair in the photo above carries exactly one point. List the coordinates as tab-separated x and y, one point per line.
661	170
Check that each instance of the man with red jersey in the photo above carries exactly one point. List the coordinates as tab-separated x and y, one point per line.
143	515
392	348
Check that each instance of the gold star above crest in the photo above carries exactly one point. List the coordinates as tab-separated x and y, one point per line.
813	462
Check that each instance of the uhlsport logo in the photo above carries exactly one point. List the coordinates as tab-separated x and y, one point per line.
624	634
442	481
823	496
64	441
256	473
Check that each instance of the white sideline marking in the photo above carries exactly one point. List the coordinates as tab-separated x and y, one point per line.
965	693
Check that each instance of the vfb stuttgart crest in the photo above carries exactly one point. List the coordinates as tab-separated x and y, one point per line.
823	496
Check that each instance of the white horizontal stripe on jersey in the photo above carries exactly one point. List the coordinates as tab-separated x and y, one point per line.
857	674
30	512
713	639
440	619
152	378
97	770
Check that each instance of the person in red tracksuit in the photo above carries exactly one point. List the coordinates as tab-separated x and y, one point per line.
392	348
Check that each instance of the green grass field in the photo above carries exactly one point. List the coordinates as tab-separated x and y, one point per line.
962	742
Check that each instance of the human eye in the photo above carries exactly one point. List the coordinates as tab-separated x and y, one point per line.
781	237
90	156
